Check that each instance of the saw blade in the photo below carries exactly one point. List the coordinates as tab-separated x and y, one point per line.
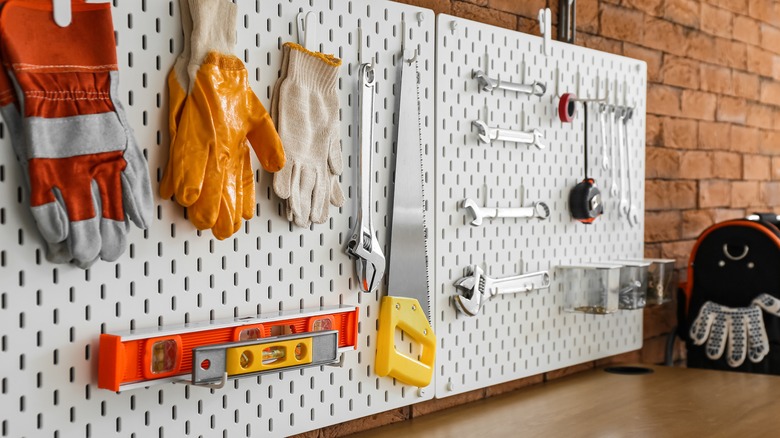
408	270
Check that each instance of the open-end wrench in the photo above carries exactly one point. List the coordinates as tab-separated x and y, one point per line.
633	212
478	287
488	134
623	206
613	187
603	126
489	84
539	210
364	246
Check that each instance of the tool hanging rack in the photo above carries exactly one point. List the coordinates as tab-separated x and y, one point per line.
172	274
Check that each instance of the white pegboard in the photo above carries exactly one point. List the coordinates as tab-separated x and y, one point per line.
51	316
519	335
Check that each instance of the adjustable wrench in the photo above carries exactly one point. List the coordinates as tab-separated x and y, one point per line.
632	213
364	246
488	134
478	287
623	171
539	210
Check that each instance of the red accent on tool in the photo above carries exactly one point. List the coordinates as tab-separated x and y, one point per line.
567	107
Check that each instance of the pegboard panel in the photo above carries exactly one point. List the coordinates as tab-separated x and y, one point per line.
52	315
520	335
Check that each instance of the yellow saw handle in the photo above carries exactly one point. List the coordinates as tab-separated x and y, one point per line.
405	314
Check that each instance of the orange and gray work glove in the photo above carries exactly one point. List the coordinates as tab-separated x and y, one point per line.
306	104
236	189
87	176
56	252
220	114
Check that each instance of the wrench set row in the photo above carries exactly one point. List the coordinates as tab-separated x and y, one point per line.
616	158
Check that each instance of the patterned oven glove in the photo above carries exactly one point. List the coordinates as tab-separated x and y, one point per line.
87	176
305	105
742	326
209	167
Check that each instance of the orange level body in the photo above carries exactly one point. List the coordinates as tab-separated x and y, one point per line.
139	358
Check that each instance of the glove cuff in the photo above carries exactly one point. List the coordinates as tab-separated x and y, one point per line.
213	28
312	70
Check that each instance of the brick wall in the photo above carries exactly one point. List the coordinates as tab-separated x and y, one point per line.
713	130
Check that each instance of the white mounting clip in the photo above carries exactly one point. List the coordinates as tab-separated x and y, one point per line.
545	27
307	29
62	11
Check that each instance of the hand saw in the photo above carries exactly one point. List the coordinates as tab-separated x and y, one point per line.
407	304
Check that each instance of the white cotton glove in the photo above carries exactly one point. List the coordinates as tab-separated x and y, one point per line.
742	327
305	107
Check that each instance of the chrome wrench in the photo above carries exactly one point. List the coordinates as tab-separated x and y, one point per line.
539	210
603	126
364	246
613	188
476	288
623	171
632	213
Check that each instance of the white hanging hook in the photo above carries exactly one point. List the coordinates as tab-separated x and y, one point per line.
545	27
62	11
406	52
307	29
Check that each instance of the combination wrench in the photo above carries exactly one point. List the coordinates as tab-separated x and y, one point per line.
603	126
364	246
539	210
623	206
632	214
613	188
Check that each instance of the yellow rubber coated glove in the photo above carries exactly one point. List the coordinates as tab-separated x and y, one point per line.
207	168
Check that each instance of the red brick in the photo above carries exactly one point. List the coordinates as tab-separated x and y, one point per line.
776	168
744	139
651	57
685	12
664	100
563	372
698	105
727	165
724	214
600	44
652	7
701	46
730	53
514	385
667	195
680	72
587	15
716	21
731	109
770	38
760	61
756	167
632	357
654	130
652	251
745	194
714	193
663	35
716	79
694	222
760	116
714	135
770	194
680	133
527	25
739	6
770	92
763	10
662	163
525	8
662	226
621	24
680	251
770	142
659	320
438	404
747	30
494	17
745	85
696	165
438	6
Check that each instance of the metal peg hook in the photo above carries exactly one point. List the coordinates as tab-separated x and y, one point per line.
306	29
406	52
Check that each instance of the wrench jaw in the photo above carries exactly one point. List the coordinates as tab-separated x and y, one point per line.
485	134
470	205
469	299
369	259
538	139
485	83
542	211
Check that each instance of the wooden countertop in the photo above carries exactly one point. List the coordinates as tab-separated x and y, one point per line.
670	402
